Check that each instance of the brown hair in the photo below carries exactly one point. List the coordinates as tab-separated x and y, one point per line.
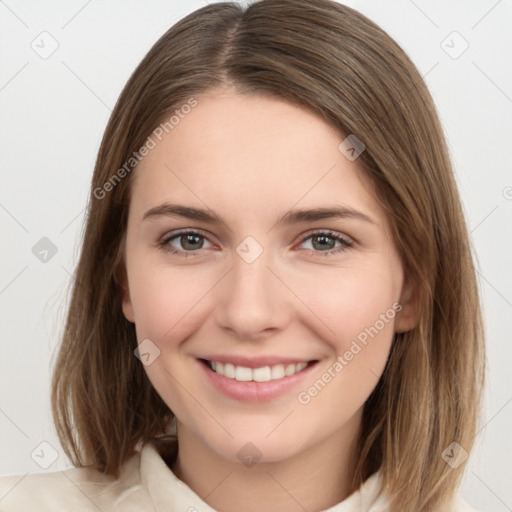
331	59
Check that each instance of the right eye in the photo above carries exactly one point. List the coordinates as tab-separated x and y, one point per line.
183	243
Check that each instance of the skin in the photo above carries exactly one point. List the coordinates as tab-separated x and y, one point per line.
251	159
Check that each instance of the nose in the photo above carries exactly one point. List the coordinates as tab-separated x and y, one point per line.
253	302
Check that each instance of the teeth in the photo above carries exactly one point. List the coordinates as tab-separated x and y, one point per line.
263	374
277	371
218	367
229	370
289	370
242	373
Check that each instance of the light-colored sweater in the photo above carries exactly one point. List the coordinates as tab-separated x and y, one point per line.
145	484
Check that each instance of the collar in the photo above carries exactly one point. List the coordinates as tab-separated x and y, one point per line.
169	493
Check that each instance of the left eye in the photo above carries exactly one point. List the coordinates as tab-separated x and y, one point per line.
326	242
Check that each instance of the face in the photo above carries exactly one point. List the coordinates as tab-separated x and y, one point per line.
269	317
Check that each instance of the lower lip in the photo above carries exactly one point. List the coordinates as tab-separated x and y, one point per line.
251	391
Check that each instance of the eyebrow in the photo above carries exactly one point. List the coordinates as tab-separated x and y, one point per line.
291	217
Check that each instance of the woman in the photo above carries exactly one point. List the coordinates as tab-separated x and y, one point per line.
275	304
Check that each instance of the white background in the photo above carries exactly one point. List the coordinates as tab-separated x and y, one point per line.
54	111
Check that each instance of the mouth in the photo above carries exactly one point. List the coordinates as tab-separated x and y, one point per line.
261	374
256	381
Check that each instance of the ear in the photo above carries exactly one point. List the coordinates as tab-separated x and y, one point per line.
408	317
127	301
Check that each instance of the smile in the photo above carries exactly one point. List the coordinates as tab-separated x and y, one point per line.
255	379
262	374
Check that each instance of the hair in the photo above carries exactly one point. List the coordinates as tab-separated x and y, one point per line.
332	60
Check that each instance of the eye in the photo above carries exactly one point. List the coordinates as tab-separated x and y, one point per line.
324	242
187	242
183	243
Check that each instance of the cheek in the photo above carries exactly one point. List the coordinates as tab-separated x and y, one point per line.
165	300
360	307
352	300
167	308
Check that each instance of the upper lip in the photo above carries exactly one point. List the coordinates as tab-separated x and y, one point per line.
256	362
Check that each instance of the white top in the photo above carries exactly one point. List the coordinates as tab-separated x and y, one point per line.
145	484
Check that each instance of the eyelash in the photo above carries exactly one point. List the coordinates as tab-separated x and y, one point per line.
346	243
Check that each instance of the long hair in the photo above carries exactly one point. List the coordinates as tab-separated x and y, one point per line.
334	61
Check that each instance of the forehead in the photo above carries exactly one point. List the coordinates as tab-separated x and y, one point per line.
252	151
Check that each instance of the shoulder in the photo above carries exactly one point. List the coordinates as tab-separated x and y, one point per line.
374	499
77	489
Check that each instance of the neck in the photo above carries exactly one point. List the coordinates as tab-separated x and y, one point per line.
315	478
